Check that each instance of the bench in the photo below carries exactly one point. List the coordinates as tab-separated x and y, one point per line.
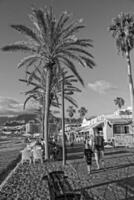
59	187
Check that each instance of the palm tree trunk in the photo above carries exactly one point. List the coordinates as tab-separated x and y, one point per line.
43	117
47	104
131	86
63	124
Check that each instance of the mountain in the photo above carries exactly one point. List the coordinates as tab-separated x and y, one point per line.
26	117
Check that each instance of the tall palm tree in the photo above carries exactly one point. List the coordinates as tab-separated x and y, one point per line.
52	42
119	101
122	28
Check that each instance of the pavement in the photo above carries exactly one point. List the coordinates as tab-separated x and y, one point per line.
113	182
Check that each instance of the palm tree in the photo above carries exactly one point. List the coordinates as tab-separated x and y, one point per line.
52	43
62	85
82	111
37	93
71	111
122	28
119	101
67	89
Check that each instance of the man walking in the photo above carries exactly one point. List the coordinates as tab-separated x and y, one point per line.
99	149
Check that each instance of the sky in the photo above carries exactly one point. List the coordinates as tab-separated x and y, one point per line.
103	84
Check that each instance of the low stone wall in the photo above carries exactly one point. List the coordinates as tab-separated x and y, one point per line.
8	171
124	140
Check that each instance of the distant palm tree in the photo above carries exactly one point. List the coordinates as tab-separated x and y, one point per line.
122	28
71	110
52	43
82	111
119	101
67	89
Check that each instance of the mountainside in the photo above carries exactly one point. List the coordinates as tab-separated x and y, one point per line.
25	117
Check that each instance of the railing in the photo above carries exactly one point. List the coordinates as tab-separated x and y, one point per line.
124	140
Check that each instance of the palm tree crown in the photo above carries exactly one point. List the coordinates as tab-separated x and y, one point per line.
122	29
119	101
52	41
71	111
82	112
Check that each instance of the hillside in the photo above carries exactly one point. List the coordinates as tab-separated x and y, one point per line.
25	117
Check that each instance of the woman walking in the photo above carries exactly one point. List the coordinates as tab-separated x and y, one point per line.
99	149
88	151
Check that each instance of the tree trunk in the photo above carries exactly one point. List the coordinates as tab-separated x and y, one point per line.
43	104
47	104
43	117
131	86
63	125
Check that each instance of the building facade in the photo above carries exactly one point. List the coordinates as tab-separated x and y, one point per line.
113	126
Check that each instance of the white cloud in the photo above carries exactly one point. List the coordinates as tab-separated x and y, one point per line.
10	106
101	86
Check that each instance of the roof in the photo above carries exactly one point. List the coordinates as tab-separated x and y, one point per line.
120	121
86	128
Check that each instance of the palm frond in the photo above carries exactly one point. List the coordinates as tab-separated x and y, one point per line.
41	22
30	82
28	99
26	31
71	100
72	31
72	67
88	62
62	21
72	56
19	47
80	50
29	60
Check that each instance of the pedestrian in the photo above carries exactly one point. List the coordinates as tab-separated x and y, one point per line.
99	149
88	151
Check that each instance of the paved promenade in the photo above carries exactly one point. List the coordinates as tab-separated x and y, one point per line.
114	182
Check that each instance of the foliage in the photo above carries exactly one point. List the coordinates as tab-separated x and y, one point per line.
119	101
52	43
82	111
71	111
122	29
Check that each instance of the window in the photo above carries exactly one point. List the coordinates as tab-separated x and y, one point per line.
126	129
120	129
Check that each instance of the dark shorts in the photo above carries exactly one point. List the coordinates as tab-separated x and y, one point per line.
89	160
88	156
99	155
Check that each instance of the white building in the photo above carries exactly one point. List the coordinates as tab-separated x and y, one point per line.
114	127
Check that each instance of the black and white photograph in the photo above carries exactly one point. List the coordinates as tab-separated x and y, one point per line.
67	100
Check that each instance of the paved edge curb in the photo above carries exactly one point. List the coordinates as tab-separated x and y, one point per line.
9	175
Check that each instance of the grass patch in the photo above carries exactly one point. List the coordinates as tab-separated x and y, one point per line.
9	156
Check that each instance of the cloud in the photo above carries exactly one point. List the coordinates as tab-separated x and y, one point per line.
101	86
10	106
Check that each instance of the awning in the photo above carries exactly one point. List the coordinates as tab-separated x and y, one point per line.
120	121
83	129
87	128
